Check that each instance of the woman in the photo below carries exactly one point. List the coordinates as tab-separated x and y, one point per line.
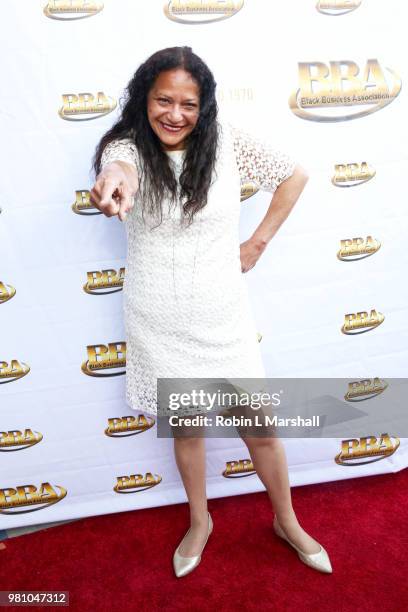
172	171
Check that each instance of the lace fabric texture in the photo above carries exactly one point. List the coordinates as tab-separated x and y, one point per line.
123	149
186	304
259	162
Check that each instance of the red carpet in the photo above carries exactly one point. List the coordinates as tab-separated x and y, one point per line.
123	561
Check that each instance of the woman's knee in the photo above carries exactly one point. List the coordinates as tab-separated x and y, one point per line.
188	435
258	442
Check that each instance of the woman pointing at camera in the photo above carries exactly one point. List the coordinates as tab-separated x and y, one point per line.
172	171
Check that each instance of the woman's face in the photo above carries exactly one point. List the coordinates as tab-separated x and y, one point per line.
173	107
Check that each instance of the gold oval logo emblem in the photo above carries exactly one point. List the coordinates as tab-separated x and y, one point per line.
361	322
337	7
354	249
201	11
86	106
351	175
135	483
369	449
362	390
338	90
68	10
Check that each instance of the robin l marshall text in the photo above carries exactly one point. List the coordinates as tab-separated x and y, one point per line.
208	421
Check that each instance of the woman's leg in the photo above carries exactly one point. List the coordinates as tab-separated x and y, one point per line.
190	458
269	460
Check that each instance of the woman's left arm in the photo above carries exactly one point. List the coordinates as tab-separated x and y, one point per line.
283	200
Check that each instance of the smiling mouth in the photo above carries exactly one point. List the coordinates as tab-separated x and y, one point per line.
171	128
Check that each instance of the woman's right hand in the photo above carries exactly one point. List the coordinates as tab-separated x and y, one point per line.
114	189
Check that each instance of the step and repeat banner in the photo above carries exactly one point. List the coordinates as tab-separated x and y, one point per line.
322	81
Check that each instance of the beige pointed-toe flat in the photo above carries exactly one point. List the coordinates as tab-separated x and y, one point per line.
185	565
319	561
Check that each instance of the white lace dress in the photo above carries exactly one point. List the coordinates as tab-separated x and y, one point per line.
186	305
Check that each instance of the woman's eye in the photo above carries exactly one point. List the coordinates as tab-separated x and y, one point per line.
163	100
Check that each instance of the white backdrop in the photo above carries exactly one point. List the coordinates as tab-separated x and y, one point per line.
300	290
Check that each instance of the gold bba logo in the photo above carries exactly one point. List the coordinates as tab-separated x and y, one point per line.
201	11
121	427
102	282
17	500
340	90
248	189
86	106
239	468
359	451
17	440
6	292
67	10
83	204
360	322
105	357
351	175
12	371
136	482
337	7
361	390
352	249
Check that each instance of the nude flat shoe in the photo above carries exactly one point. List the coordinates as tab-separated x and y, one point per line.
319	561
185	565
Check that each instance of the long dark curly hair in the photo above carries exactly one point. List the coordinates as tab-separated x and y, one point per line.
157	177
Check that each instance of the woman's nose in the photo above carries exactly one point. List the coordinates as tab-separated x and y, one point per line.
175	114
